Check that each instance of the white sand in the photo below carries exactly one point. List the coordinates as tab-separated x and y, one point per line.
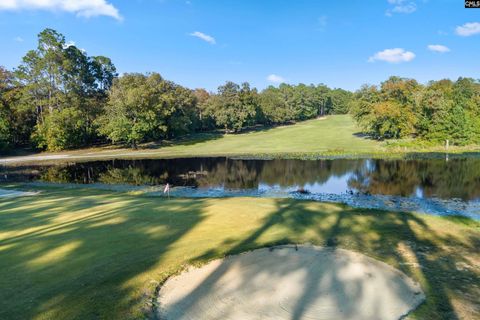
308	283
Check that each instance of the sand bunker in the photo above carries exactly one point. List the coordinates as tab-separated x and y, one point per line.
13	193
306	282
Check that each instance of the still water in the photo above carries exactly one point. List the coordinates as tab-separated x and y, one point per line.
431	186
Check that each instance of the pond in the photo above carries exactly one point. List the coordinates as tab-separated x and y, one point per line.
434	186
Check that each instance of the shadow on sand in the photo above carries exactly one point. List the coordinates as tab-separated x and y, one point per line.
402	240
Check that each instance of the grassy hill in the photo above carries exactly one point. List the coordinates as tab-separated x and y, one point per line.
333	136
326	136
334	133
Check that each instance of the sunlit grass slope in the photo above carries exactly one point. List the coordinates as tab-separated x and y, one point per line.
89	254
334	135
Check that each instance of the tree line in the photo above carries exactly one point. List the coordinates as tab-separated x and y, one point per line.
60	98
53	99
435	112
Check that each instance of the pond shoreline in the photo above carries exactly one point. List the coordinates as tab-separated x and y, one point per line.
54	159
425	206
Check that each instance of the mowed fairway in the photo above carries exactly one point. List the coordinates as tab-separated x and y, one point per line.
90	254
333	135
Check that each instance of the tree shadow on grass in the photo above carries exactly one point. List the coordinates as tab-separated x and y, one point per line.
85	255
188	140
364	136
196	138
443	262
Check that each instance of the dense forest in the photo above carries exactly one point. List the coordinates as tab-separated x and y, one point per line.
436	112
60	98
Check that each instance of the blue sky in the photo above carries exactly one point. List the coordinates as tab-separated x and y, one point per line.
203	43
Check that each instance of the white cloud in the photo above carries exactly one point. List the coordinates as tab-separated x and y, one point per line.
18	39
275	78
203	36
84	8
407	8
438	48
468	29
69	44
401	6
395	55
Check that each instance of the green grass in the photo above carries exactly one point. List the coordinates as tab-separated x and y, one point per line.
335	136
91	254
331	135
335	133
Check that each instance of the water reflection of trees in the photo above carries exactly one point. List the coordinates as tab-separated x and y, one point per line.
284	173
233	174
202	172
459	178
385	177
300	172
136	172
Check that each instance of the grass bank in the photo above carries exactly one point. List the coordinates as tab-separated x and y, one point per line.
331	137
91	254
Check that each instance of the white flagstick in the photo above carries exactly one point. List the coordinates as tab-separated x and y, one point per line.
167	190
